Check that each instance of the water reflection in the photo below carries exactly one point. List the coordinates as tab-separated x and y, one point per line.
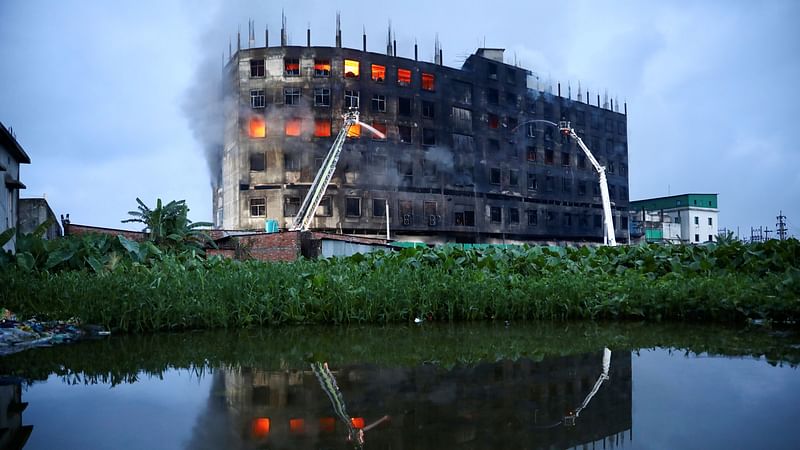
479	386
491	405
13	434
354	425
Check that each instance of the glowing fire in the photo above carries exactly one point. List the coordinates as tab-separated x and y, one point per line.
260	427
292	127
403	76
351	68
322	67
322	128
327	424
427	81
258	128
378	73
358	422
297	425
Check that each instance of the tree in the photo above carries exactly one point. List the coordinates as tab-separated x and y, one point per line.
168	225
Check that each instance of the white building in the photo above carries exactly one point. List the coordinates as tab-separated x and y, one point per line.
11	156
686	218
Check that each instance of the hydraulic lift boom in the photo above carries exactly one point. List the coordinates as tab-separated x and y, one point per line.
610	238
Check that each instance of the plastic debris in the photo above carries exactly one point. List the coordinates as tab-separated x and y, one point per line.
16	335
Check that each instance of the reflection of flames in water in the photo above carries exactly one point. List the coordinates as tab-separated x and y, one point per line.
258	127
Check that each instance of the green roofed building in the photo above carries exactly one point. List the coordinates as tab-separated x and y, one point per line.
686	218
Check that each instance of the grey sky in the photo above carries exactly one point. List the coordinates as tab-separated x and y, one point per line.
94	90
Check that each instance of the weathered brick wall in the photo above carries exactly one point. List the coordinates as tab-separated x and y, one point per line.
283	246
224	252
71	229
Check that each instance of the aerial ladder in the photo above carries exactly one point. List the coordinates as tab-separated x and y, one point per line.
320	185
610	238
569	419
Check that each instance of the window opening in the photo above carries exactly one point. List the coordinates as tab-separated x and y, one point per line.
403	77
258	207
322	127
291	67
428	81
291	96
322	67
379	103
378	73
258	127
293	126
257	98
351	99
257	68
291	205
351	68
322	97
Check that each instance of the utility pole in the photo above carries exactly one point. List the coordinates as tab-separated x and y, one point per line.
767	231
756	234
781	226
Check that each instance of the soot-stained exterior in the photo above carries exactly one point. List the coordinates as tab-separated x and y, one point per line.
461	161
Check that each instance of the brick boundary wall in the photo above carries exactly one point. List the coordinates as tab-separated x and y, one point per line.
71	229
283	246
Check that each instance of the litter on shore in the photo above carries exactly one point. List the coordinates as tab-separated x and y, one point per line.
17	335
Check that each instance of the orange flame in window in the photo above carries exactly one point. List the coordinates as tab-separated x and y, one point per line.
297	425
403	76
292	127
351	68
322	128
427	81
260	427
258	128
378	73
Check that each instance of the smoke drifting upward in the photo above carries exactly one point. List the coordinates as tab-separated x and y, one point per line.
203	107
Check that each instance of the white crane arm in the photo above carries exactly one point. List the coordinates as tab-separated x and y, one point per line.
601	172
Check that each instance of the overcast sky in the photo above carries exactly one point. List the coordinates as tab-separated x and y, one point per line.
94	90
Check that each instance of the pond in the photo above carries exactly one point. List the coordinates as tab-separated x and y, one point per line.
427	386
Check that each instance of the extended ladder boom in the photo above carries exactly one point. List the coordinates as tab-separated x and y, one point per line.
601	172
323	177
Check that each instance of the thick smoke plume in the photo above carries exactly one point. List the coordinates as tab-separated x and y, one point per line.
203	106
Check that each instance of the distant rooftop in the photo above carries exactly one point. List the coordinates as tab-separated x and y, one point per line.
9	141
676	201
495	54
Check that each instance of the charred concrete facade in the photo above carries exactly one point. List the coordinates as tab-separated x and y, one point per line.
461	161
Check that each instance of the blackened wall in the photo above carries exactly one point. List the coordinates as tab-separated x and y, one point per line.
460	163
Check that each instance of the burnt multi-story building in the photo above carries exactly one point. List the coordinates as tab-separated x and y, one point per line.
462	160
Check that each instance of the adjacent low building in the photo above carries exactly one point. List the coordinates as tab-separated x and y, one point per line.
686	218
12	156
34	212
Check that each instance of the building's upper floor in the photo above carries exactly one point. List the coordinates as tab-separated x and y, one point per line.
11	156
484	95
672	202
